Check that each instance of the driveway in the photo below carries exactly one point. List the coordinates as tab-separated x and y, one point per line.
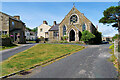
5	54
89	63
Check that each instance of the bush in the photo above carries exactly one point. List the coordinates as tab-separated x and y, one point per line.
63	42
41	38
5	36
86	36
64	38
54	41
111	47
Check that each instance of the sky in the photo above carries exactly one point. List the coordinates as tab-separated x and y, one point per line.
33	13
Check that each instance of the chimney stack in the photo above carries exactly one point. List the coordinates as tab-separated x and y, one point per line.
54	23
83	14
45	22
17	17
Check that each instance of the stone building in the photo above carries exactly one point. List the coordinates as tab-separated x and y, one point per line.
43	30
106	38
71	26
13	27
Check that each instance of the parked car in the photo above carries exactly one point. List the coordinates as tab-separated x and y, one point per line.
105	42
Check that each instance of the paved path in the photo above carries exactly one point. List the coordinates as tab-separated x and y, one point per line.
5	54
88	63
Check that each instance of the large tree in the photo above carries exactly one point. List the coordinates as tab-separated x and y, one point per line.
112	16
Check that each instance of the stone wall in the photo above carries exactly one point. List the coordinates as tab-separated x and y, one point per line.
4	22
5	41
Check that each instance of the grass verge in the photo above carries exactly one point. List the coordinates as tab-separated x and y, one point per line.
36	55
114	60
8	47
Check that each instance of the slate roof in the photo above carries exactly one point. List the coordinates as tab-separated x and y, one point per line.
54	28
11	17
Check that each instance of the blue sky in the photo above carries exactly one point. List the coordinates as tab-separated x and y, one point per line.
33	13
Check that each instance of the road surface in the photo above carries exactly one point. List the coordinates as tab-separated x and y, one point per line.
5	54
89	63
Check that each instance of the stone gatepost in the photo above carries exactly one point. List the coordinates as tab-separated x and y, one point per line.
116	48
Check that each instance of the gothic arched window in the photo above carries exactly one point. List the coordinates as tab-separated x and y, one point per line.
64	30
83	27
73	19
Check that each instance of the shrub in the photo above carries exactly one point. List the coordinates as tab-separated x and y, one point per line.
86	36
64	38
4	36
42	38
111	47
63	42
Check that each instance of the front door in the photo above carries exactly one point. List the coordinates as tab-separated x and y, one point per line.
72	35
15	37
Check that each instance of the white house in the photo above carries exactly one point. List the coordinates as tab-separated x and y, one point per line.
30	35
43	30
27	34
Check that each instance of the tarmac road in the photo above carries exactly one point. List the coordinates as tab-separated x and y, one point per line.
89	63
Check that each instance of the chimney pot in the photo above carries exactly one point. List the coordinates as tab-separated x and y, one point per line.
17	17
54	23
45	22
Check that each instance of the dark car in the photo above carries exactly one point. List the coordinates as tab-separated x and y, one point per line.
105	42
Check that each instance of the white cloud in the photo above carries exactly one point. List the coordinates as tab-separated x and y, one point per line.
107	30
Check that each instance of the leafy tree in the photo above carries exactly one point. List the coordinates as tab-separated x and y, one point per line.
98	37
112	15
86	36
28	29
115	37
34	29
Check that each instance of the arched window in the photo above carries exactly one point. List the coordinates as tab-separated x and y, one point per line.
64	30
83	27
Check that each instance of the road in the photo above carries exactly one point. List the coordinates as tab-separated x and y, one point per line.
8	53
89	63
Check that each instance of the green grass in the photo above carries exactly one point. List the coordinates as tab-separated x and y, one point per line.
36	55
32	41
112	58
8	47
112	46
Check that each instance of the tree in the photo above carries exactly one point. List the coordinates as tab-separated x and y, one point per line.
86	36
115	37
28	29
34	29
112	15
98	37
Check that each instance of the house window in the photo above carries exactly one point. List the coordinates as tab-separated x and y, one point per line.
41	30
83	27
27	34
1	18
73	19
64	30
55	33
13	24
4	32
